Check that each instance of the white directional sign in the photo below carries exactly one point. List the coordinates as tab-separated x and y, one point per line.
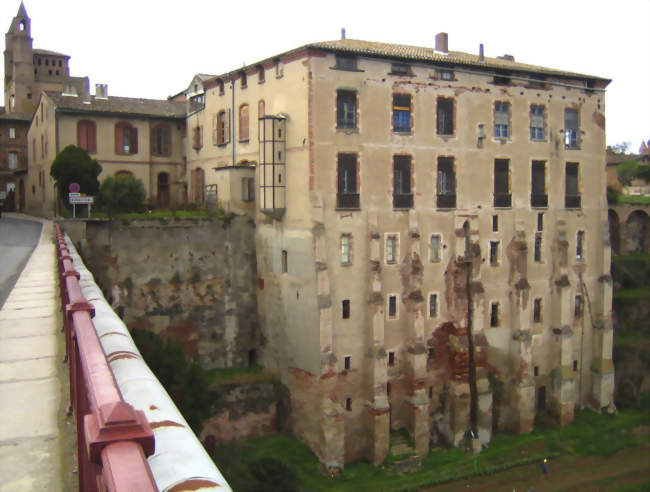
82	200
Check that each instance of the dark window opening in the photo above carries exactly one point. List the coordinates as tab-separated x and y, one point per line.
391	358
537	311
536	371
431	353
445	113
244	80
541	399
285	261
540	221
577	307
494	314
402	113
346	62
402	196
495	223
388	388
538	196
446	183
433	305
537	254
261	75
502	196
571	194
348	404
345	309
347	362
248	189
252	357
575	365
580	239
400	69
347	194
346	109
494	253
392	306
571	129
502	78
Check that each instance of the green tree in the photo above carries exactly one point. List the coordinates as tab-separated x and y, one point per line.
121	194
643	172
626	172
74	165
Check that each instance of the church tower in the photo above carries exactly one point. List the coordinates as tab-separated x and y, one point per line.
19	64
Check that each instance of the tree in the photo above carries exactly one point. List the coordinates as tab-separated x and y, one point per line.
619	148
626	172
74	165
643	172
121	194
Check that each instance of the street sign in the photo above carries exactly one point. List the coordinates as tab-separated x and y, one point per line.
74	188
82	200
70	195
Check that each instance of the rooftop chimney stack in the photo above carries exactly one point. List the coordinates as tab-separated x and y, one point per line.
101	91
442	42
343	33
481	54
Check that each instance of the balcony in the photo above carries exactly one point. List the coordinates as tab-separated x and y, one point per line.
402	200
503	200
539	201
347	201
446	201
572	201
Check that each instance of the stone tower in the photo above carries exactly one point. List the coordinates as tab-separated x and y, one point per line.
19	64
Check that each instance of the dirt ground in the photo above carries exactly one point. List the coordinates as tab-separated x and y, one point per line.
579	474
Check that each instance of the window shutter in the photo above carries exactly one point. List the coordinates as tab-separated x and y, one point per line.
228	126
119	146
152	140
92	137
215	129
134	140
82	135
167	140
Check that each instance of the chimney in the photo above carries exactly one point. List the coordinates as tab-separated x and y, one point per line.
442	42
481	55
101	91
69	89
343	33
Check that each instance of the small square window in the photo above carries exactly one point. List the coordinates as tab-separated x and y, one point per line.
345	309
442	74
391	359
495	223
347	362
494	314
494	253
392	306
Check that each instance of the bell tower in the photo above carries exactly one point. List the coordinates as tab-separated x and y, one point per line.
19	62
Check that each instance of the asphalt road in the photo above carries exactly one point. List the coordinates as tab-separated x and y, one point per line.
18	238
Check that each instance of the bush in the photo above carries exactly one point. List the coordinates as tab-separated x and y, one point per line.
273	475
612	196
121	194
74	165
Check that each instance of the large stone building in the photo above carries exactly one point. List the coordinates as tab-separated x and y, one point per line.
432	245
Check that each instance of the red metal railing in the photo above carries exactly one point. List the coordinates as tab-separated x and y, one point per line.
113	438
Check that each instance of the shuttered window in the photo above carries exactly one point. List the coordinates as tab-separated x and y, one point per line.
126	139
87	136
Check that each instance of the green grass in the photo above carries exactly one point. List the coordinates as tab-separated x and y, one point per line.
589	434
240	375
634	199
643	293
642	487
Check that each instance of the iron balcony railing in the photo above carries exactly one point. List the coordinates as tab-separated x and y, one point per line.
502	200
539	201
572	201
347	200
402	200
446	200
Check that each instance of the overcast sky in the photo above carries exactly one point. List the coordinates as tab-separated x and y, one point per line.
152	48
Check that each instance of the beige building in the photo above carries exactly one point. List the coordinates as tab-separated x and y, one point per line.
432	244
140	137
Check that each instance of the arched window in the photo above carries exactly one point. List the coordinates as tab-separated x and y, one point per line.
22	26
221	128
124	172
126	138
243	123
161	140
87	136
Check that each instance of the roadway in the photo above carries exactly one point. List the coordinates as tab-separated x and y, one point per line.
18	238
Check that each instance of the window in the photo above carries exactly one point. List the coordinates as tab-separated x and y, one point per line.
279	68
494	253
346	109
431	353
244	79
347	362
538	196
391	359
495	223
248	189
348	404
502	77
346	245
160	140
261	76
442	74
536	371
571	193
445	113
402	197
12	133
346	62
575	365
537	310
446	183
221	87
434	248
126	139
494	314
197	137
391	248
347	193
261	108
537	122
402	113
221	128
501	119
400	69
571	129
578	307
433	305
538	248
87	136
12	159
392	306
285	261
502	196
540	221
345	309
580	239
243	123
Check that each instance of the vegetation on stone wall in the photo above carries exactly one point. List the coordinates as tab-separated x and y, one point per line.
121	194
185	380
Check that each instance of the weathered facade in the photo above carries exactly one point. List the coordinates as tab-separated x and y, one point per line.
432	246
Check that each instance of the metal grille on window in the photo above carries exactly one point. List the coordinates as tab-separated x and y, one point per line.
446	183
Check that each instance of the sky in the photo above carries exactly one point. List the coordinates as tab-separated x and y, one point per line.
152	48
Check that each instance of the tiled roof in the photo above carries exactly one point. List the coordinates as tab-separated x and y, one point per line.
16	116
160	108
428	54
50	53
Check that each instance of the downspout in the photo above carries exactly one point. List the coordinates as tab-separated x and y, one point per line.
232	130
473	391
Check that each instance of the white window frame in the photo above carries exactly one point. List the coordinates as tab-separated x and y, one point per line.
346	249
12	132
395	252
437	259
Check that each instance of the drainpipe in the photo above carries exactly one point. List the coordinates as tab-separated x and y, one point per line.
473	391
232	130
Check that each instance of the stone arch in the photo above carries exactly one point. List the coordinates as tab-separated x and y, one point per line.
637	233
614	231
